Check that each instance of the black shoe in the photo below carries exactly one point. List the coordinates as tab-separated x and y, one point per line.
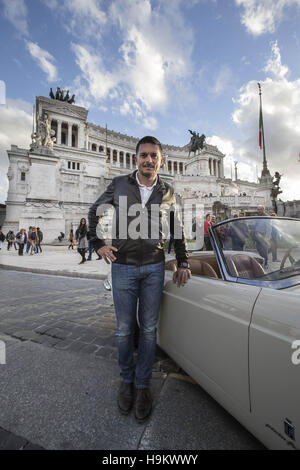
143	404
125	397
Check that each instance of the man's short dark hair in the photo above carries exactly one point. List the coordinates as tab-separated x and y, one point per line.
148	139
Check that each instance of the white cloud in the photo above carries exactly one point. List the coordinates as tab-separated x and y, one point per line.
274	65
224	145
44	60
84	18
16	12
223	79
281	113
99	81
15	128
150	123
152	50
262	16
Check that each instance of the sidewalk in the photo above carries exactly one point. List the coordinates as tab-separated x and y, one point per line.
57	260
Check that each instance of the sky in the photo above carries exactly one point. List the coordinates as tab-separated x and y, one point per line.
157	67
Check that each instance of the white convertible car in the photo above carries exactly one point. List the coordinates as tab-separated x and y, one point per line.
235	326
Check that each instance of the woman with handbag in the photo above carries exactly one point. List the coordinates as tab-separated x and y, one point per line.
33	240
81	237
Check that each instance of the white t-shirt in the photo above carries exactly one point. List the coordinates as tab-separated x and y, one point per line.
145	191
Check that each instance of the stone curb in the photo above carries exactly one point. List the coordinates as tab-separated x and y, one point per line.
53	273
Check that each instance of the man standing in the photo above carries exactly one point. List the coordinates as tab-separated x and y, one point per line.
138	267
207	223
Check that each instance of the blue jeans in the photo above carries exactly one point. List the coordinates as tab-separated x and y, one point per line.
132	284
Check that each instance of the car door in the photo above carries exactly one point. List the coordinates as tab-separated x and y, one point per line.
204	327
275	367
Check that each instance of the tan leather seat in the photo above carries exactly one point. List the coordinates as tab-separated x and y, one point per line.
244	266
210	259
198	267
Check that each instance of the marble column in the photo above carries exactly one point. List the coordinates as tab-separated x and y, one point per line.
80	137
87	138
58	136
70	135
131	162
172	167
222	168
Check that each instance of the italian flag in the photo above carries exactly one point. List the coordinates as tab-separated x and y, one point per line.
261	136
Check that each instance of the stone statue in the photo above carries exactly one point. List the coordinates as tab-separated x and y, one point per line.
275	190
196	142
58	93
62	95
43	137
49	133
277	177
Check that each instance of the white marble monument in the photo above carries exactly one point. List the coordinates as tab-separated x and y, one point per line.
71	161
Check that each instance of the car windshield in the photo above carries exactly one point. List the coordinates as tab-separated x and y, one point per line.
266	248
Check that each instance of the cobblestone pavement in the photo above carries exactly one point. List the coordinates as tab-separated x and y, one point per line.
68	314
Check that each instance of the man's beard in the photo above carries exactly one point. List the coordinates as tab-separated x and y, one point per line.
146	175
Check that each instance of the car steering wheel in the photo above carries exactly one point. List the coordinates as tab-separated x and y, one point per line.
287	255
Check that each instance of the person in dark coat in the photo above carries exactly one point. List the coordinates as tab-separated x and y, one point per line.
40	239
71	239
2	239
81	237
21	239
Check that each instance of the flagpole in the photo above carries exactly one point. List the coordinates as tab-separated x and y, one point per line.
265	166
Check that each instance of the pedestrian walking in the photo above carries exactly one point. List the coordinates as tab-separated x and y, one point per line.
71	239
91	248
11	240
138	268
21	239
81	237
238	233
2	239
28	244
207	223
40	239
33	240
